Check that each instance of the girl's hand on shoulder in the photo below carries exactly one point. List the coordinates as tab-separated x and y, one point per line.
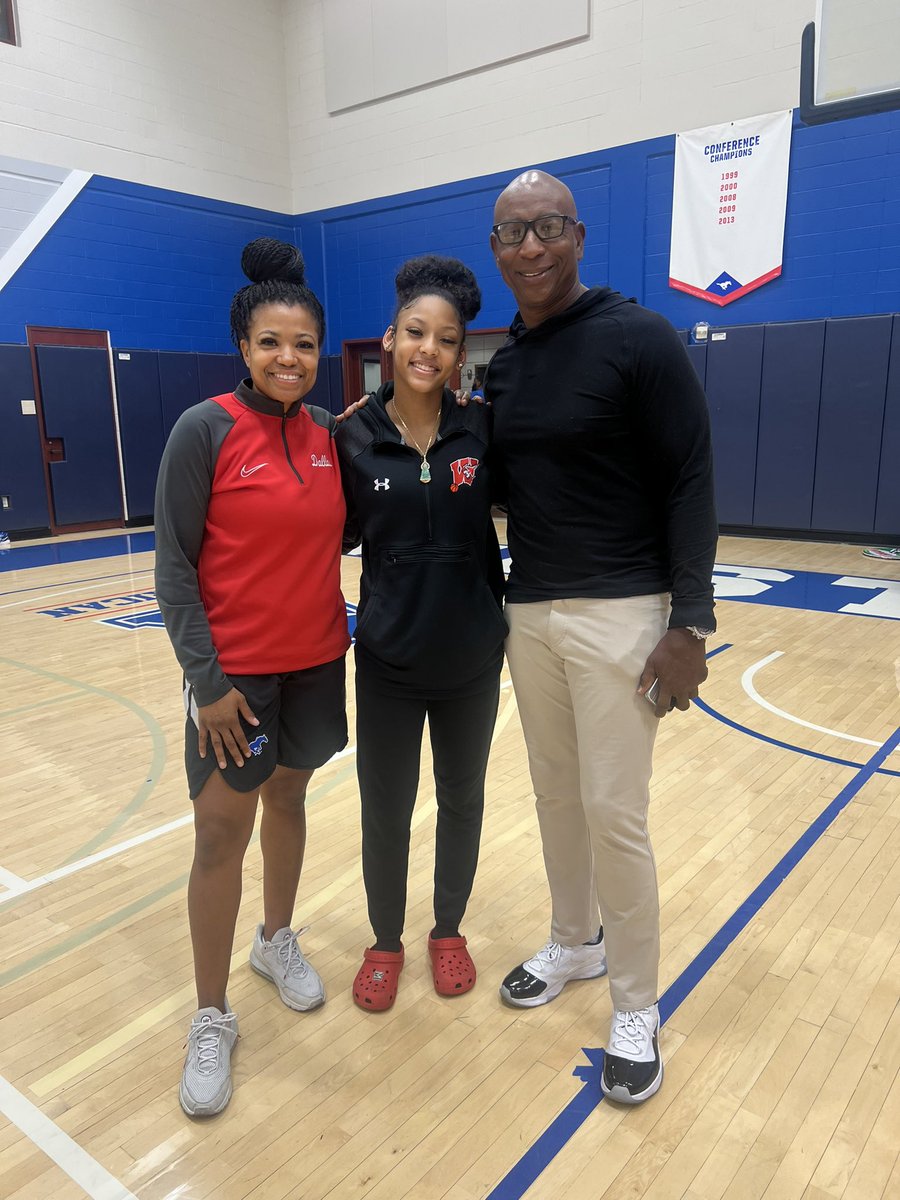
220	727
351	409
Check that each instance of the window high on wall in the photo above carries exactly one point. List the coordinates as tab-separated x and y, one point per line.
8	30
857	48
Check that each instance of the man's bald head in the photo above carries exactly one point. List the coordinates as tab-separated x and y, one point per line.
539	187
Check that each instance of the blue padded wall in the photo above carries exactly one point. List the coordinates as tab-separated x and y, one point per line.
851	420
140	426
76	396
21	461
697	355
179	386
733	375
328	390
788	424
887	505
215	374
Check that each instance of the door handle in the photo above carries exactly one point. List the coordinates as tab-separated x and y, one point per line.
56	449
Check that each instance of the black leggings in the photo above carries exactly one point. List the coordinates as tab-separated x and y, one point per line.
389	741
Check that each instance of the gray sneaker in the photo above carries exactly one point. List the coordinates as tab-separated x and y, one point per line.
206	1079
282	961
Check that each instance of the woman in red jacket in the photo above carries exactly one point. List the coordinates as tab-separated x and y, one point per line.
249	513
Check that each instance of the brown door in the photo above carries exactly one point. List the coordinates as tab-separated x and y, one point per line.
366	366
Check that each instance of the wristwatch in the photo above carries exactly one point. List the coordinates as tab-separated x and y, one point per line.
699	632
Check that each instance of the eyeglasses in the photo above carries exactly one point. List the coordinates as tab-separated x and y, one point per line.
547	227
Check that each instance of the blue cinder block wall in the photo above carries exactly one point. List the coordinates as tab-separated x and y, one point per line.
158	268
842	234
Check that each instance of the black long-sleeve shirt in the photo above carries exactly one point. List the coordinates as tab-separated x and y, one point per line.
601	434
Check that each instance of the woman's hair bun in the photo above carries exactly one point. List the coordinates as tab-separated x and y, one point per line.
433	273
268	258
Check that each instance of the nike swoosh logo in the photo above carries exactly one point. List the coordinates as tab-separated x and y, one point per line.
245	471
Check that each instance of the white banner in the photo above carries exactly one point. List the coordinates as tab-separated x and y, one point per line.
728	207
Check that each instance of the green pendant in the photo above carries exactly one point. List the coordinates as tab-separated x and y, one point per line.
425	473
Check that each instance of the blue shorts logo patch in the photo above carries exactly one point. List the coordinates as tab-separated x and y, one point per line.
257	744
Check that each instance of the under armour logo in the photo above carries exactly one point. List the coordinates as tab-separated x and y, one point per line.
382	485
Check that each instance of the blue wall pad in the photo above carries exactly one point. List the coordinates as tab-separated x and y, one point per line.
887	506
733	374
140	426
179	386
788	422
76	392
851	420
215	374
21	462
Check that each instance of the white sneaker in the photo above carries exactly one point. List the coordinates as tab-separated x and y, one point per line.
282	961
206	1079
632	1068
543	977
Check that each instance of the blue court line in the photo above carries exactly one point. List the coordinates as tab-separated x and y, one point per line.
516	1183
764	737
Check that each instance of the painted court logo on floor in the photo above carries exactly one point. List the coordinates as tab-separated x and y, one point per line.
812	591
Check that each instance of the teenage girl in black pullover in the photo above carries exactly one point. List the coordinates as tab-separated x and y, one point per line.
430	629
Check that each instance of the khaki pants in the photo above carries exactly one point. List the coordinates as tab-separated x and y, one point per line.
575	666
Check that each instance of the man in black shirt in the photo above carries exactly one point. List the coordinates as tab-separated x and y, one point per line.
602	435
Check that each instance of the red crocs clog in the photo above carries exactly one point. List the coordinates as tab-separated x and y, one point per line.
375	985
451	965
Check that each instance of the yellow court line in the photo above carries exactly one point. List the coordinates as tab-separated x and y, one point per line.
90	1058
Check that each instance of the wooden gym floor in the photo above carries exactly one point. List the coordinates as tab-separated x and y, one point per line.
776	822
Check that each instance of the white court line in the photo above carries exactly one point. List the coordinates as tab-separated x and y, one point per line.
21	887
17	886
31	885
64	591
95	1180
11	881
747	683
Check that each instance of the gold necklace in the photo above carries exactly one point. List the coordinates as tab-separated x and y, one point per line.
425	467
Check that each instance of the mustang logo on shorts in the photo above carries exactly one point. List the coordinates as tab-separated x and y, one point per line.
463	470
257	744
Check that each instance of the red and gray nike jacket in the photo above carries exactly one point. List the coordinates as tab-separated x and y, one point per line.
249	514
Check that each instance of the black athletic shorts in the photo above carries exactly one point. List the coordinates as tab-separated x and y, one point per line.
302	722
